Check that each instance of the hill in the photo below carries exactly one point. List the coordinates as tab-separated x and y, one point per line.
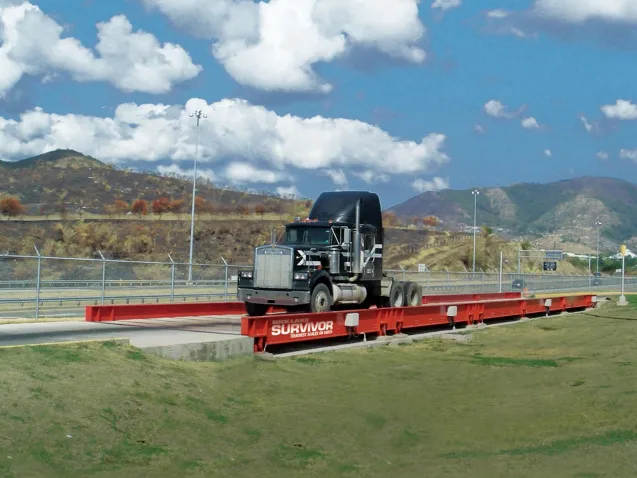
564	210
66	181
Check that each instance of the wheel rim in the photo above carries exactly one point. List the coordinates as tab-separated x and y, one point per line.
321	302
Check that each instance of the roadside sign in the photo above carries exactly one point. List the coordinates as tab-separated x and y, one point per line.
553	255
550	266
422	267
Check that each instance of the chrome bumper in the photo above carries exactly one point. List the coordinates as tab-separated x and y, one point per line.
273	296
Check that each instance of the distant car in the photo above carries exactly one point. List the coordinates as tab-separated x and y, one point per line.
597	281
518	284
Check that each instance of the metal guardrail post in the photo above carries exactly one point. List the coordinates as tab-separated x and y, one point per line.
103	275
37	287
500	274
226	281
172	279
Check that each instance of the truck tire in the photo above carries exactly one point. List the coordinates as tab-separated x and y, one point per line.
256	310
397	295
413	294
321	299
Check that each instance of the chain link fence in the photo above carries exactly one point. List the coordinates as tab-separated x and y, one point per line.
38	286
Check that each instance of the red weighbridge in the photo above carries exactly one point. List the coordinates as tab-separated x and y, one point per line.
281	328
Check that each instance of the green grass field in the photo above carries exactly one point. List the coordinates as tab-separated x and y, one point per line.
552	397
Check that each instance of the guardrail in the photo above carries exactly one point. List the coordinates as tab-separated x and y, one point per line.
35	286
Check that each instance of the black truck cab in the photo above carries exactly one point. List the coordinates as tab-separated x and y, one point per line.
331	258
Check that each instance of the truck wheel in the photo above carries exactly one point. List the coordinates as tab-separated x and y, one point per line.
397	295
256	310
413	294
321	300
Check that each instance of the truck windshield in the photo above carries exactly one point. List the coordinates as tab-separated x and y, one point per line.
315	236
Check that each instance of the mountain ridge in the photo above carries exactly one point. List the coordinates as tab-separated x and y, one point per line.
568	207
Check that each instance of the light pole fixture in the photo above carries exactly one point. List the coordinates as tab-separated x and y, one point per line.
195	114
597	223
475	193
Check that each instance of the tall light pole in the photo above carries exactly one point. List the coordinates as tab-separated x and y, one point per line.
597	223
475	193
195	114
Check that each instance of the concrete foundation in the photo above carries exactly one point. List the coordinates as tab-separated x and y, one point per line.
204	351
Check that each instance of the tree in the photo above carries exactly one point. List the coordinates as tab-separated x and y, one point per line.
200	205
11	207
260	210
121	207
177	207
139	207
243	210
430	221
389	219
160	206
415	220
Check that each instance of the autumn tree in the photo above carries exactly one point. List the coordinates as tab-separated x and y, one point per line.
390	219
415	220
430	221
177	207
139	207
11	207
260	210
243	210
121	207
160	206
201	206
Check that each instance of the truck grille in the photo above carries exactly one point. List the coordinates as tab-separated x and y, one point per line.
273	267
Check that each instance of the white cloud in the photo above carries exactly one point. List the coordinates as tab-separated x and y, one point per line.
530	123
437	184
234	129
498	13
371	177
275	45
446	4
497	109
175	170
288	191
548	152
240	172
338	177
622	110
588	126
479	129
628	154
580	11
603	155
32	44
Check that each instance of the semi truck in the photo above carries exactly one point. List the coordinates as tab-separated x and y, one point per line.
331	260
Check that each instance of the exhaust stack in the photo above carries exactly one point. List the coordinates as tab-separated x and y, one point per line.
356	252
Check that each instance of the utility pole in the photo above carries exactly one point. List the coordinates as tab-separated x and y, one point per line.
475	193
597	223
196	114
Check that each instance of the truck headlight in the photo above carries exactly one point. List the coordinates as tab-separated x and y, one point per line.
245	274
300	276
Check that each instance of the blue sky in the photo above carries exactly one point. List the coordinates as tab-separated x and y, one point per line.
562	63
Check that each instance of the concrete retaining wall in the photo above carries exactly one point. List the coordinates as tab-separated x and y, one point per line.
205	351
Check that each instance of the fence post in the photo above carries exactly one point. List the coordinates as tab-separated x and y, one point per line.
403	269
226	281
103	275
37	286
172	279
500	274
